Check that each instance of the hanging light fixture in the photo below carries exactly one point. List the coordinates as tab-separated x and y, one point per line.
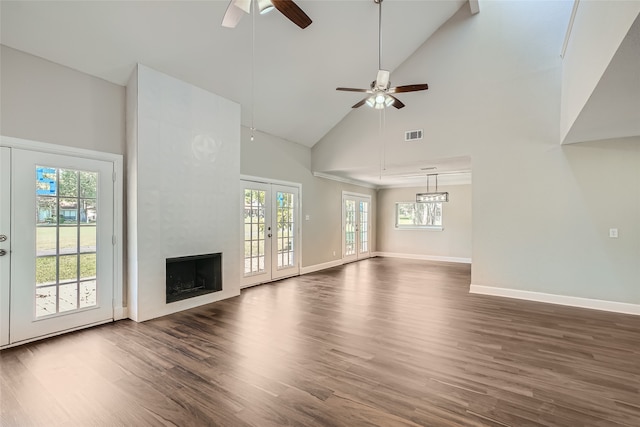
432	197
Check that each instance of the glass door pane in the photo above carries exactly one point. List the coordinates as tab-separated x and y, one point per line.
349	227
364	227
255	231
65	221
285	214
285	245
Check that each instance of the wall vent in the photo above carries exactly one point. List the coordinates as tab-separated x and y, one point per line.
413	135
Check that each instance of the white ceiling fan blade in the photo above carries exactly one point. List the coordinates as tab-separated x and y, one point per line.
235	11
382	80
243	4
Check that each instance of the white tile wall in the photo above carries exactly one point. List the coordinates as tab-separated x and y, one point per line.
186	197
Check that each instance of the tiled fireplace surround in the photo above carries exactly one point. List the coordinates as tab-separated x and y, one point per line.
183	183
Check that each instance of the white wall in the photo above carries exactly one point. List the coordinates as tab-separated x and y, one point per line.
47	102
183	197
613	109
541	211
275	158
452	243
598	29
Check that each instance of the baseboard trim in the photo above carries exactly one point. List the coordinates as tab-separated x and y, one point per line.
423	257
318	267
55	334
120	313
594	304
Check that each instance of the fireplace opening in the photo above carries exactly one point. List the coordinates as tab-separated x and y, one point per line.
192	276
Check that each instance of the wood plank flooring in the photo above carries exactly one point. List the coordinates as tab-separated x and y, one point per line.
382	342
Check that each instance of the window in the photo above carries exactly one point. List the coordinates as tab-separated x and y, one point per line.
419	215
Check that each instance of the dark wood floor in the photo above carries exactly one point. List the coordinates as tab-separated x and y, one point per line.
383	342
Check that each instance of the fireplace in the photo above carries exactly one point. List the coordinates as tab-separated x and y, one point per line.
192	276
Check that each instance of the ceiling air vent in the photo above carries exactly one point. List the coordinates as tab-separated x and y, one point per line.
413	135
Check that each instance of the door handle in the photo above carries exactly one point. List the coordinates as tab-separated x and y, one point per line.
3	238
3	252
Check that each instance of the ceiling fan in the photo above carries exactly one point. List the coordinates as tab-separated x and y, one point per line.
237	9
380	92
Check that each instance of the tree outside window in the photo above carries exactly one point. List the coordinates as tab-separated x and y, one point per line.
419	215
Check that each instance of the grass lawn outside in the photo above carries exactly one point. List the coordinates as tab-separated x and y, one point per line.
68	252
46	237
46	268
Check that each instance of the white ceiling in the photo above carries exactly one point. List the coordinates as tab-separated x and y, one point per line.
296	71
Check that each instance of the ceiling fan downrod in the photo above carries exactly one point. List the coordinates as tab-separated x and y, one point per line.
380	94
379	3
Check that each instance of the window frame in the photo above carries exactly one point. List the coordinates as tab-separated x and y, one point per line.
398	226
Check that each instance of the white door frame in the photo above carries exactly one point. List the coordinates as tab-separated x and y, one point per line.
119	311
5	261
298	219
357	197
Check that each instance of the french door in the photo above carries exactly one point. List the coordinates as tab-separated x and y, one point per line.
271	232
56	230
356	226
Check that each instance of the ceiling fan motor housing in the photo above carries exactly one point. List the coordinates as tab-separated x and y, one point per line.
382	81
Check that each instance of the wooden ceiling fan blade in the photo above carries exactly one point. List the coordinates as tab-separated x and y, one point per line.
396	102
361	103
350	89
293	12
235	12
409	88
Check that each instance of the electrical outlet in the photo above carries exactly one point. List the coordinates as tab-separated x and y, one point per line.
613	233
334	253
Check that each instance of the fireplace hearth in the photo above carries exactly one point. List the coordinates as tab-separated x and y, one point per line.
192	276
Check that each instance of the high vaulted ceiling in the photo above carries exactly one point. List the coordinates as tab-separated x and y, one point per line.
295	71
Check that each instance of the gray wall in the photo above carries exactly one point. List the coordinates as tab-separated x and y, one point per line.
274	158
454	241
46	102
541	211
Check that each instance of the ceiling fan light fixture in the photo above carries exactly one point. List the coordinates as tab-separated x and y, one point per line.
265	6
388	101
371	101
379	101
